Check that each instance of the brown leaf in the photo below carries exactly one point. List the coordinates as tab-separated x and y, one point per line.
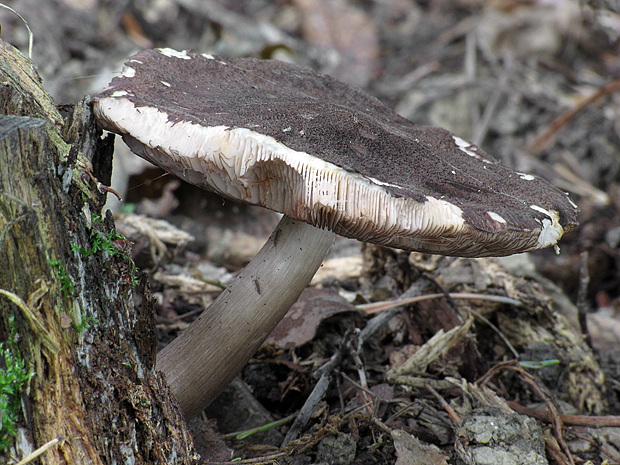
303	319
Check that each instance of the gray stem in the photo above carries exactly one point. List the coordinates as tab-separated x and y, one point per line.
201	362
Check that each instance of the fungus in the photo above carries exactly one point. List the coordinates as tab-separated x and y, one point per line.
329	157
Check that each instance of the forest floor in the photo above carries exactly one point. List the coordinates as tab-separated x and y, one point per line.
447	380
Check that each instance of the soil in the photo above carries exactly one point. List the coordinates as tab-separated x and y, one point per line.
442	381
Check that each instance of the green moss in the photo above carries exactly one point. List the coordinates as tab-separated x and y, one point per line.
13	378
66	284
85	323
107	242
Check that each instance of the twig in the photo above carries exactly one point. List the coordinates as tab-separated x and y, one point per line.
365	396
304	414
498	331
368	397
540	143
571	182
102	187
554	451
481	129
30	34
382	425
385	305
33	455
402	411
377	322
573	420
451	413
596	444
335	359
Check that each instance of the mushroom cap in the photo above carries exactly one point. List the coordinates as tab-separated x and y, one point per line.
284	137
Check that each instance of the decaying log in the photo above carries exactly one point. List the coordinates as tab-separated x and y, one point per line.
66	286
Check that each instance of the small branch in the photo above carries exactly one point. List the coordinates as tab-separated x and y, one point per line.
34	455
386	305
306	411
538	145
451	413
30	34
572	420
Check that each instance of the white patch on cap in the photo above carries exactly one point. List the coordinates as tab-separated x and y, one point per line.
464	146
571	202
447	211
526	177
167	84
128	72
541	210
494	216
208	56
174	54
119	93
381	183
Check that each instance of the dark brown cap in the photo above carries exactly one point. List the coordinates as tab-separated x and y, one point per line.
287	138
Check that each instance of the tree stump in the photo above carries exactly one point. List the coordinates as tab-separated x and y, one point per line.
66	294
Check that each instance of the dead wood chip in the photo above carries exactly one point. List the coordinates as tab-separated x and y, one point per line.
233	248
185	283
430	352
547	318
163	237
411	451
480	396
340	268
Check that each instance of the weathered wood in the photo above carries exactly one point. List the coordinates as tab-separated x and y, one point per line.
66	285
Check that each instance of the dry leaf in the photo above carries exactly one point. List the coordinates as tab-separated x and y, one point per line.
303	319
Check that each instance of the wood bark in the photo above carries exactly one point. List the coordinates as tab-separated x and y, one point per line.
66	291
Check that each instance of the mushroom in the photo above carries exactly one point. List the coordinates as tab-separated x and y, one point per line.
329	157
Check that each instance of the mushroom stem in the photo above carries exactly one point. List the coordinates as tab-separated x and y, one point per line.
201	362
